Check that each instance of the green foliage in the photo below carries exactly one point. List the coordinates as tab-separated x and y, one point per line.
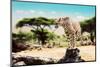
22	22
35	22
44	21
90	26
43	35
22	37
51	36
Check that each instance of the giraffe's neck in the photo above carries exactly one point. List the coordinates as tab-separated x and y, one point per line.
68	28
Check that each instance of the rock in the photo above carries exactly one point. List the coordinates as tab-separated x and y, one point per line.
38	60
71	56
17	47
29	60
15	58
19	63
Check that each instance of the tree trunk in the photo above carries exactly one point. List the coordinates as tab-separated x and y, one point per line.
92	37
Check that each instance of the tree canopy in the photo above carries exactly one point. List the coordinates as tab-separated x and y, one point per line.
35	22
89	25
38	24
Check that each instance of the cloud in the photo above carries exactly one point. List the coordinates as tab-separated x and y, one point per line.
41	12
53	12
25	11
32	11
36	13
20	11
79	18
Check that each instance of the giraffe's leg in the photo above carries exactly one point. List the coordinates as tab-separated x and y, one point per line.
68	36
71	41
74	40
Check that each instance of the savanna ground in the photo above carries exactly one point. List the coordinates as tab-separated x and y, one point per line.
86	52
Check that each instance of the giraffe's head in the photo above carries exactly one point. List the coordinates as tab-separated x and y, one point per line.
62	20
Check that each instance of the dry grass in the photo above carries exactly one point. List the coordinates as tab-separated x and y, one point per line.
87	53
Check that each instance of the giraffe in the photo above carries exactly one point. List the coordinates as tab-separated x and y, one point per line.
72	29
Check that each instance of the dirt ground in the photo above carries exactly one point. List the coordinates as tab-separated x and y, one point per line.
87	53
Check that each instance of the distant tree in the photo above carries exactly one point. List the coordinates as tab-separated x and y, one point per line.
90	26
38	27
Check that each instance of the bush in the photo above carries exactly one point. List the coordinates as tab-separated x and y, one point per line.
17	47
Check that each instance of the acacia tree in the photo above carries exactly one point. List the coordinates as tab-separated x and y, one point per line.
38	27
90	26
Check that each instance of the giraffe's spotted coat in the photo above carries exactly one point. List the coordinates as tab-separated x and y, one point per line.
72	29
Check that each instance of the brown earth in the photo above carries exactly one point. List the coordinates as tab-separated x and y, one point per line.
87	53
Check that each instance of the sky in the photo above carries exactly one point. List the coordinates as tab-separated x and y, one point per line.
50	10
